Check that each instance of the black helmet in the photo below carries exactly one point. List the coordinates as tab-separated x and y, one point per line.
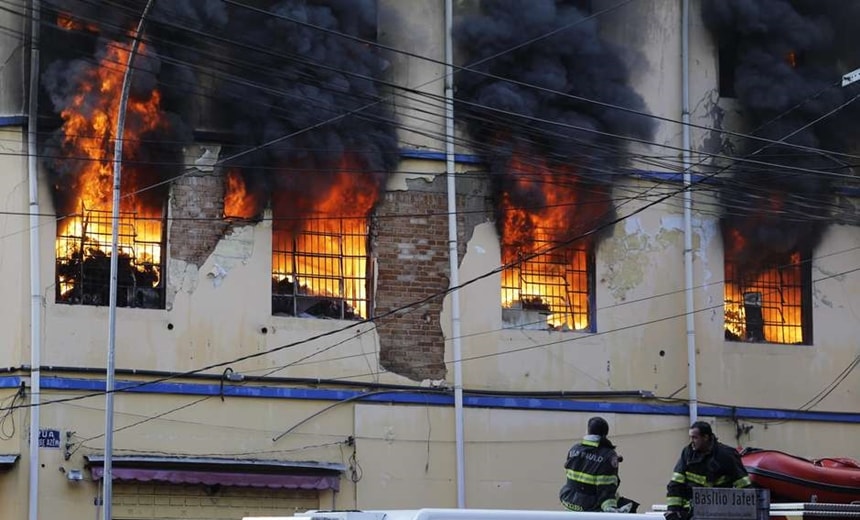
598	426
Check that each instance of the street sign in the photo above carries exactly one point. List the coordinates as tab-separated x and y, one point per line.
49	438
730	504
851	77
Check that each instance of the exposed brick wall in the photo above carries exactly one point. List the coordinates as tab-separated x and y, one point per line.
411	246
197	209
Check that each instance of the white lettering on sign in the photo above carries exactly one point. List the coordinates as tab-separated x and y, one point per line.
730	504
49	438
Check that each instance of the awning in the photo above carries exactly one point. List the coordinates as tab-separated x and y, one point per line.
7	461
217	471
211	478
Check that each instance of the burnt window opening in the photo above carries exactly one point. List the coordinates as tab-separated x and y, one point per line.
551	291
726	67
321	270
770	304
83	256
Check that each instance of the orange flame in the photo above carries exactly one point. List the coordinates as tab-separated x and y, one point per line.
326	250
550	273
65	21
89	134
791	59
776	294
238	202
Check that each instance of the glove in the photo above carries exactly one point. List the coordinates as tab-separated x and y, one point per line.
676	515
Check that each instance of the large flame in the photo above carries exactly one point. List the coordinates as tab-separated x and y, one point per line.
89	124
763	303
326	247
545	209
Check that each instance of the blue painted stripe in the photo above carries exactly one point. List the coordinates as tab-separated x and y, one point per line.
10	382
13	121
430	155
669	176
436	399
662	176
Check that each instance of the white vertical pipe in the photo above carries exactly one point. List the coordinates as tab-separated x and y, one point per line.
450	166
114	267
689	309
35	269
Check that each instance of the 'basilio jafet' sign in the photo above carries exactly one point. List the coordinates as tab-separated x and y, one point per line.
730	504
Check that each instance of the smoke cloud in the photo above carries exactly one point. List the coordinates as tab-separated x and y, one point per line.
788	57
510	119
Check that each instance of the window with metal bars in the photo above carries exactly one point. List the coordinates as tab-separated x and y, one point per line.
551	291
83	256
770	303
321	270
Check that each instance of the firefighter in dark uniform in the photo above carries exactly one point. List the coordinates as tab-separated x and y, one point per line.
592	471
704	462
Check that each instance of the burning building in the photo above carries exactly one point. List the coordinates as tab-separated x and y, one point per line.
287	210
551	152
782	60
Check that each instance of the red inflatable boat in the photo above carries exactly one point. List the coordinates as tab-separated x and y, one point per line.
795	479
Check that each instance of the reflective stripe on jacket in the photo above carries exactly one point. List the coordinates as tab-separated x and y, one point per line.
592	477
720	467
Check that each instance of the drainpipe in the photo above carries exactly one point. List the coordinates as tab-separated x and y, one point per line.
35	278
692	385
453	254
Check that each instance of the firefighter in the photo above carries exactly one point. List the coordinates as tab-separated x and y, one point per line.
704	462
592	471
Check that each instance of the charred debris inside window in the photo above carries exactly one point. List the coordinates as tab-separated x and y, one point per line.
550	291
321	270
83	249
770	304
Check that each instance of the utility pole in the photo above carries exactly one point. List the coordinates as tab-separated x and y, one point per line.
107	495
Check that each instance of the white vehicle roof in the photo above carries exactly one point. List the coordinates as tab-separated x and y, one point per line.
448	514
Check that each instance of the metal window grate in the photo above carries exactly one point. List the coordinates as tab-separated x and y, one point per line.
552	290
83	252
768	304
321	270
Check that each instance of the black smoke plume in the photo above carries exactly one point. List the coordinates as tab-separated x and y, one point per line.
297	96
787	58
507	40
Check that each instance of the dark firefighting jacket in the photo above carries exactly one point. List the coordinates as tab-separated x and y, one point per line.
592	476
720	467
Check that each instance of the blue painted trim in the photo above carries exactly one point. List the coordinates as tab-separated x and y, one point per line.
442	399
10	382
13	121
669	176
429	155
654	175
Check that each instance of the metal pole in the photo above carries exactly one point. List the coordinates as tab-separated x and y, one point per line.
107	495
450	167
35	263
689	309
